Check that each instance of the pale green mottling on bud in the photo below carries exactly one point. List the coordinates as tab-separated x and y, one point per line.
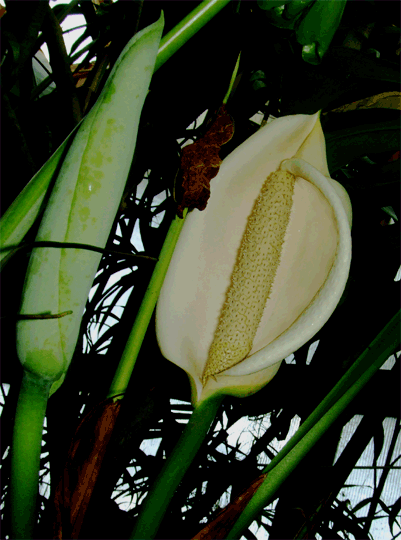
81	208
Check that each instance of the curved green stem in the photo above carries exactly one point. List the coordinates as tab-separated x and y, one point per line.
25	453
173	471
320	420
132	347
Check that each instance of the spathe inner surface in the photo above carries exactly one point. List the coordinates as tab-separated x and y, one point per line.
307	257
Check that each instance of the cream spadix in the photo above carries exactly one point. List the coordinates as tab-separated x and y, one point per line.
253	275
258	273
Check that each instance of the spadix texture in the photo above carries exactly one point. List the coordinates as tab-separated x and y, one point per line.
82	208
253	274
301	243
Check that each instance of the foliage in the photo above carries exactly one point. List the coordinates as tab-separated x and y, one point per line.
362	140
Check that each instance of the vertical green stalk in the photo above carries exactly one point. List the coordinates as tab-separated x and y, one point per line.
135	339
285	462
176	466
25	453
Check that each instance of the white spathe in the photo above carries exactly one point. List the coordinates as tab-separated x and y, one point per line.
313	268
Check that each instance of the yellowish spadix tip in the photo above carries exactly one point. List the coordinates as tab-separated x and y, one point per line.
253	274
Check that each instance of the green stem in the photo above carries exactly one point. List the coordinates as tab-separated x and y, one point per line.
134	342
183	31
173	471
25	453
232	81
320	420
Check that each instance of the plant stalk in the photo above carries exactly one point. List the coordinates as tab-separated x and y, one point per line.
132	347
320	420
177	464
25	453
184	30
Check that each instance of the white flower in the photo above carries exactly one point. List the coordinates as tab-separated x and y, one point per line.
312	264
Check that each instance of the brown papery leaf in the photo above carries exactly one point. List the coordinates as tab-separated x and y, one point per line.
200	162
81	471
224	522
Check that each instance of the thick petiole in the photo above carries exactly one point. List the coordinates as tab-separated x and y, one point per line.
25	454
176	466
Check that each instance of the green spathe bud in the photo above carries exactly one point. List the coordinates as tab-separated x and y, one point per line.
82	208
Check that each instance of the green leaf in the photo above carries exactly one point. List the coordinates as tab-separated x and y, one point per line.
270	4
362	504
22	213
341	78
390	211
317	29
392	516
296	7
80	40
287	16
378	442
61	11
384	506
359	133
363	65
